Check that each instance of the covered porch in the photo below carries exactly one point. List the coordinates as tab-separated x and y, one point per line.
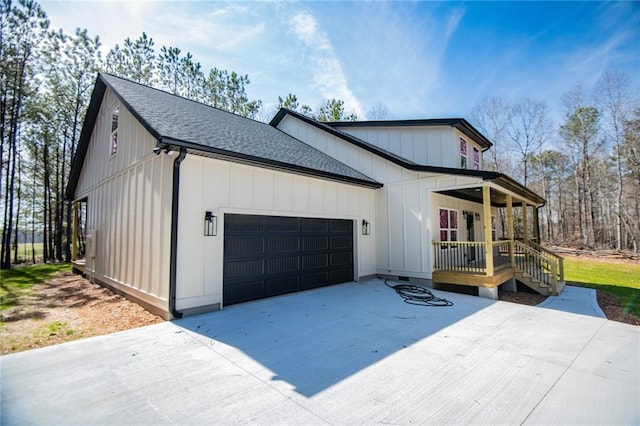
494	261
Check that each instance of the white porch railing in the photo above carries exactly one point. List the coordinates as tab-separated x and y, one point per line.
534	265
542	265
469	256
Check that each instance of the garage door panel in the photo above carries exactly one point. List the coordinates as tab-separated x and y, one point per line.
244	269
315	243
340	259
345	226
344	242
340	275
244	224
315	225
266	256
282	244
315	280
281	265
315	261
243	246
275	224
244	291
283	285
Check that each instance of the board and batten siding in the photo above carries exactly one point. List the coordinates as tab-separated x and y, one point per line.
429	146
410	211
222	187
406	213
128	207
391	228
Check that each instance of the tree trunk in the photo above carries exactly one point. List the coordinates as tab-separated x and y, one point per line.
16	234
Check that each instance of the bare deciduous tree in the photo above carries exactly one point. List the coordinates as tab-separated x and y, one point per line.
528	128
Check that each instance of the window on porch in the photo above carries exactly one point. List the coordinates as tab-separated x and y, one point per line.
448	226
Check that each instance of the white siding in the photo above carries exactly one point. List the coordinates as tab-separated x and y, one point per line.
432	146
129	207
406	207
359	159
223	187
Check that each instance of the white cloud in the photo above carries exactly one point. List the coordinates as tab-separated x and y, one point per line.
453	22
215	27
328	75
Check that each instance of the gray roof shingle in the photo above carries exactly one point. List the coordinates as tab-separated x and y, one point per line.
202	127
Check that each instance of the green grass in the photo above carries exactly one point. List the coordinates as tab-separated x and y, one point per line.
24	251
59	328
620	279
19	281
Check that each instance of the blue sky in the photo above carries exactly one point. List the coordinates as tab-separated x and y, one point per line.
420	59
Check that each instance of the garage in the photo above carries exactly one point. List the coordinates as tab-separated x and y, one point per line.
266	256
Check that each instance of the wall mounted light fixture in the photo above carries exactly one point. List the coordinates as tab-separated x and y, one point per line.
366	227
477	216
210	224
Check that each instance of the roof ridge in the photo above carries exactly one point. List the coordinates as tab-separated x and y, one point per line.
177	96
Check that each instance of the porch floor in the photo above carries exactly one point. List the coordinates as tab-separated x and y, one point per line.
78	265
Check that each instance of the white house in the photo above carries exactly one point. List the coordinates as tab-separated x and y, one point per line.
187	208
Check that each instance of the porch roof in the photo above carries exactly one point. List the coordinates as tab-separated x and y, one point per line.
498	198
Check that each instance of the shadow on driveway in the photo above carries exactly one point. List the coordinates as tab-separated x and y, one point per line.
315	339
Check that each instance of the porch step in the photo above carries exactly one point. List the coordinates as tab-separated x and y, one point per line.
537	285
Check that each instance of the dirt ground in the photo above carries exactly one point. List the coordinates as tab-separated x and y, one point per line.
69	307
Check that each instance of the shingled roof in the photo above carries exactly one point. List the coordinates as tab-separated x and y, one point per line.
205	130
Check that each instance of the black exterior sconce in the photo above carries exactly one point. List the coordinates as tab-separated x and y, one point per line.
210	224
366	227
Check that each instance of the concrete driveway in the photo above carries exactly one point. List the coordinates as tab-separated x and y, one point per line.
348	354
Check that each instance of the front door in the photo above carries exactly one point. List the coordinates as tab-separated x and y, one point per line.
471	251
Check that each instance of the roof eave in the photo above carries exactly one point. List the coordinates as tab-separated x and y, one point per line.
512	185
262	162
459	123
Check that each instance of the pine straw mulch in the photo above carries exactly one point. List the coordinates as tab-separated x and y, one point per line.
66	308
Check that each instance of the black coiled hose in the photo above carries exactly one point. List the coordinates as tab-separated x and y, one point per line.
418	295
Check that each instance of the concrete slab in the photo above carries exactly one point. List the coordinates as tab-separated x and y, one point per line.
353	353
577	300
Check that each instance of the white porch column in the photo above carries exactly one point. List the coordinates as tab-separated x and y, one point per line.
510	236
486	213
525	224
536	230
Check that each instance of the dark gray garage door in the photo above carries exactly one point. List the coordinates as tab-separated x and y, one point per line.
266	256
